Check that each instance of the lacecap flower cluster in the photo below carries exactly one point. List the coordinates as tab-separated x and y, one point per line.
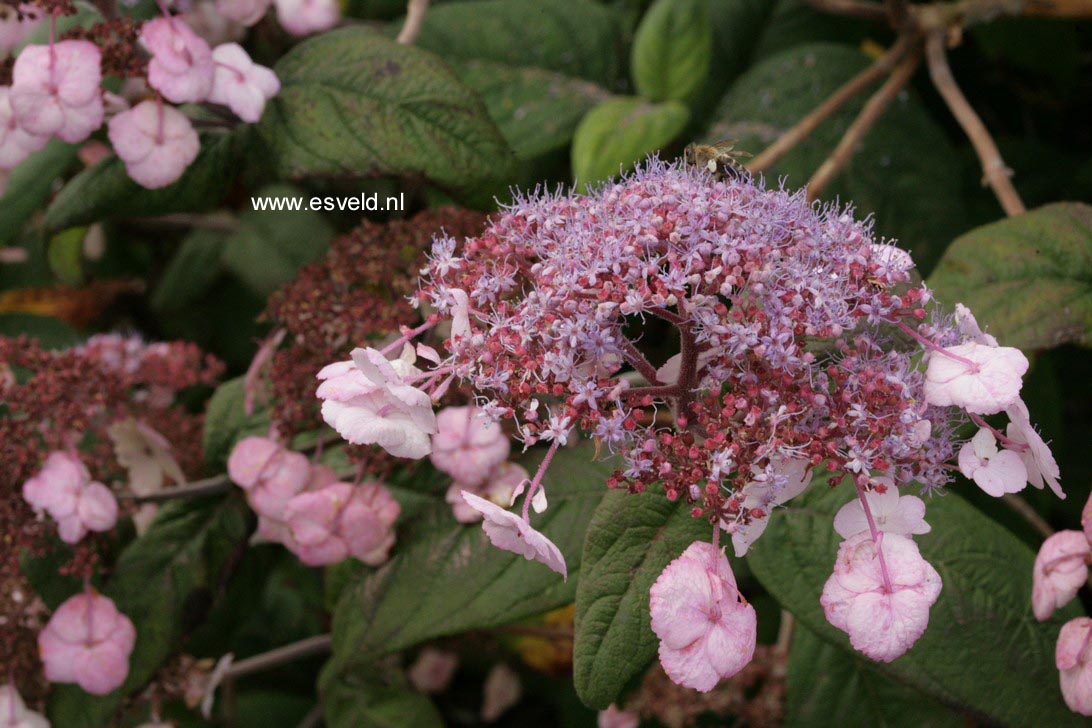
801	345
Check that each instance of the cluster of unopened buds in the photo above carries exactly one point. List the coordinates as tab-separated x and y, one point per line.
57	89
802	347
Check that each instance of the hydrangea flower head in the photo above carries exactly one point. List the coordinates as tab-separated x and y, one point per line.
87	641
881	602
340	520
707	630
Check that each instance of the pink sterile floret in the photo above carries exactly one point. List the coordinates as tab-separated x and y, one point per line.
706	630
891	512
63	488
468	445
181	66
781	481
615	717
995	472
987	387
157	143
368	402
505	483
240	84
14	712
87	641
1074	661
245	12
55	90
303	17
510	532
341	520
16	143
1037	458
882	621
1061	569
432	671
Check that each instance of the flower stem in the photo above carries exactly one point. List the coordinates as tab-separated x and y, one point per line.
407	335
933	346
534	486
877	539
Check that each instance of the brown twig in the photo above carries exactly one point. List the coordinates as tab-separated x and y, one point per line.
309	647
415	18
872	111
852	8
196	489
799	131
994	171
1029	514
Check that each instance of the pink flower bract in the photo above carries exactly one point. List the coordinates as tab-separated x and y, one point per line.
893	513
181	67
157	143
468	445
707	631
1061	569
241	84
1073	658
996	472
508	531
881	624
988	388
55	90
87	641
16	143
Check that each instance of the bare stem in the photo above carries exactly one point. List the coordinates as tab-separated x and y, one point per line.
803	128
1025	511
415	18
638	361
309	647
870	114
995	173
196	489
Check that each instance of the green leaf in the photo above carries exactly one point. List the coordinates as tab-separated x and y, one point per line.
631	538
362	698
272	245
446	578
983	652
226	421
191	272
185	552
1027	278
904	171
537	111
672	50
574	37
827	686
51	332
353	102
31	184
65	252
105	190
619	133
